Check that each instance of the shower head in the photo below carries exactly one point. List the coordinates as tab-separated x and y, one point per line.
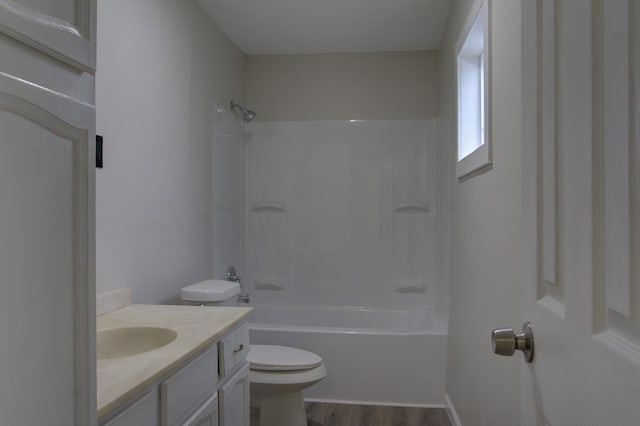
246	114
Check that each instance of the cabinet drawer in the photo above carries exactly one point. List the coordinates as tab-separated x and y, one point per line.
187	388
142	412
233	349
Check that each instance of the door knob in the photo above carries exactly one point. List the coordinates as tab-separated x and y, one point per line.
505	341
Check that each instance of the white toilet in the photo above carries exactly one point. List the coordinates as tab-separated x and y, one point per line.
277	374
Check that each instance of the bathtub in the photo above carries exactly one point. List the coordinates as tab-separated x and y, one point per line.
373	356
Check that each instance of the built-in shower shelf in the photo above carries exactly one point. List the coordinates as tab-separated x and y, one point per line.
268	285
411	207
411	287
269	207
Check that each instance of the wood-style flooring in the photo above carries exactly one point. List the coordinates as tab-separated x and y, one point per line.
326	414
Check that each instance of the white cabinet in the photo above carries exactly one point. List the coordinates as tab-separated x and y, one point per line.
188	387
47	124
234	399
142	412
210	390
207	414
233	390
64	29
233	349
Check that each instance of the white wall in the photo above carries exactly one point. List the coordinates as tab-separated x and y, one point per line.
373	86
162	65
486	230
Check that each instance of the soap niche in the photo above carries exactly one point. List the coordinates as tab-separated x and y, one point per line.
410	287
412	207
271	285
274	207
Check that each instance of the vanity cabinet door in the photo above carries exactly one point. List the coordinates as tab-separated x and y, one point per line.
142	412
64	29
181	393
47	295
47	263
234	399
207	415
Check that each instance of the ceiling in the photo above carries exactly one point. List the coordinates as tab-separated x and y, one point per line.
269	27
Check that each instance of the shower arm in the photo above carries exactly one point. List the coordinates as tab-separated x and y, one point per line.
247	114
240	107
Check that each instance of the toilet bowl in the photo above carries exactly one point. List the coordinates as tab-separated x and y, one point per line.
277	374
277	377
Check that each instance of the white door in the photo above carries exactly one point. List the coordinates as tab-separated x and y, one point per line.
47	290
581	126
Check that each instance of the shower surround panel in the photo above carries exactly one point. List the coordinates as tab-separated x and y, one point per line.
227	188
342	213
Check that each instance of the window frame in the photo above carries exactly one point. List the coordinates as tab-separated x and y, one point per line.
474	118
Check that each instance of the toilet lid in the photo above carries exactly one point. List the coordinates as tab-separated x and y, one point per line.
283	358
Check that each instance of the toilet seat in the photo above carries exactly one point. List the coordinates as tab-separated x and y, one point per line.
281	358
277	377
287	380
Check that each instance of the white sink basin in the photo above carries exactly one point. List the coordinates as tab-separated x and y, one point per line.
126	341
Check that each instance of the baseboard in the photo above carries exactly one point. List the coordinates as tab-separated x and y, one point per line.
451	411
387	404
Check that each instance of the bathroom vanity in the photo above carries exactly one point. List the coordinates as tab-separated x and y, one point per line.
173	365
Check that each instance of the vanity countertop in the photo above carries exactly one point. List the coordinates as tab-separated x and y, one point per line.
120	379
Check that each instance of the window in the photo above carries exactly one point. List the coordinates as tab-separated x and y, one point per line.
473	59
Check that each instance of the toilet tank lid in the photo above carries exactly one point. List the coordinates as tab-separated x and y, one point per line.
210	291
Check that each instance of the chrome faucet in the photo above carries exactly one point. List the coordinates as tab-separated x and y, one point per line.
233	276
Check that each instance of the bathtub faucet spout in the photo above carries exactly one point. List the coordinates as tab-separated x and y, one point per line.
233	276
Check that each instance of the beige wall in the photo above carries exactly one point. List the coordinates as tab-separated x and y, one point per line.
398	85
486	289
161	66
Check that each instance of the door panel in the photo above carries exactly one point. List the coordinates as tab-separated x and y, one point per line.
64	29
587	364
616	171
550	286
64	10
47	301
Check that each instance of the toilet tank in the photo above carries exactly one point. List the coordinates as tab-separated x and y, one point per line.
211	293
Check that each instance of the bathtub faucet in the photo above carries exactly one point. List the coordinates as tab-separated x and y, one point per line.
233	276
